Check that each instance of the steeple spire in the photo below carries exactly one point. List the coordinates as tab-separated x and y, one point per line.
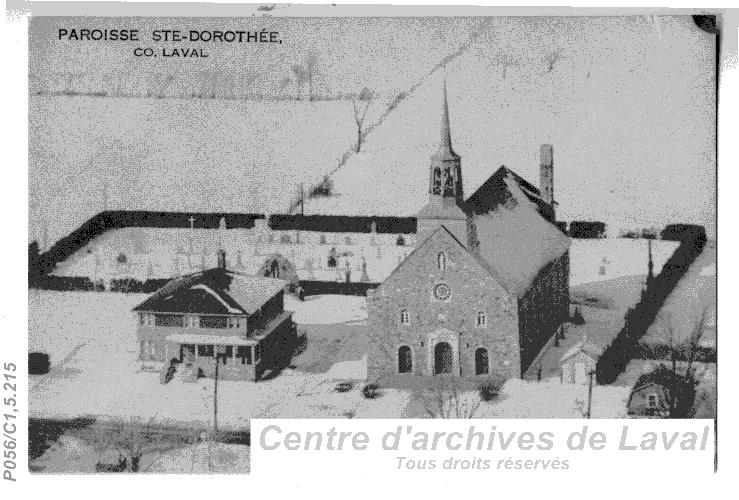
445	144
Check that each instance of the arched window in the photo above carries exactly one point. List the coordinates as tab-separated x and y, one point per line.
482	319
405	359
441	261
481	361
405	317
436	188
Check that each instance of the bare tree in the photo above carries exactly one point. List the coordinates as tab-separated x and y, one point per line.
552	60
448	401
131	439
360	112
284	83
301	75
689	352
310	66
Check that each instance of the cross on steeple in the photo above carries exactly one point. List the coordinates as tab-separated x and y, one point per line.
192	222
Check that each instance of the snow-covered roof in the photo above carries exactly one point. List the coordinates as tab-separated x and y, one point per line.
194	338
214	291
584	346
517	242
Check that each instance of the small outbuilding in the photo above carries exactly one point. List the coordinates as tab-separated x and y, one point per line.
578	362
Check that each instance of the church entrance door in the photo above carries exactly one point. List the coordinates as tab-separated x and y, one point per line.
443	358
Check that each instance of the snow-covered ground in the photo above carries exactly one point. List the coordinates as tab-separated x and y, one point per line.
95	355
73	455
327	309
552	399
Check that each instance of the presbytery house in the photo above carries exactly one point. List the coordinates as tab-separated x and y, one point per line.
216	316
487	284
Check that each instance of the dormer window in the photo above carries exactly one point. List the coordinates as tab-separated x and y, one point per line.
482	319
405	317
441	261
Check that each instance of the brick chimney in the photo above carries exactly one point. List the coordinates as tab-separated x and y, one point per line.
222	259
546	173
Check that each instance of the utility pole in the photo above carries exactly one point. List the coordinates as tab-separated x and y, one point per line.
591	373
215	400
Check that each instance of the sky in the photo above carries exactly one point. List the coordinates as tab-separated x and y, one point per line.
627	102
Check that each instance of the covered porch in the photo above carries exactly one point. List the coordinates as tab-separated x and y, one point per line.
237	357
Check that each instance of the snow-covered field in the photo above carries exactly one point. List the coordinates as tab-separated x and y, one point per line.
95	355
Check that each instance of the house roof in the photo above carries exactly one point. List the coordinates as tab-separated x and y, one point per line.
661	376
584	346
516	241
214	291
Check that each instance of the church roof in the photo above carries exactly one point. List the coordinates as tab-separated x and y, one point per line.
516	241
214	291
495	192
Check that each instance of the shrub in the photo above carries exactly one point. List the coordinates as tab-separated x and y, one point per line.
488	390
371	391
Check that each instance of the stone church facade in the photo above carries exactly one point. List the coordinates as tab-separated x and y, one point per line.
487	285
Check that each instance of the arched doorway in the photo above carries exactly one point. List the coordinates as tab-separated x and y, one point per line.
481	362
277	266
443	358
273	271
405	359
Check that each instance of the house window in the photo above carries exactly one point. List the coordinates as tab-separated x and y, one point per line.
244	352
257	353
322	239
169	320
148	349
205	351
213	322
441	261
652	400
405	359
146	319
192	321
481	361
285	238
482	319
405	317
236	322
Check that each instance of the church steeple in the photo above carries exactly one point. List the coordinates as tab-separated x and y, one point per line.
446	197
446	167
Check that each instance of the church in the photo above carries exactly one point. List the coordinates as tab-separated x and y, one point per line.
487	284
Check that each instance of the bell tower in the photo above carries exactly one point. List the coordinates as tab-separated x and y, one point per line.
446	195
445	171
